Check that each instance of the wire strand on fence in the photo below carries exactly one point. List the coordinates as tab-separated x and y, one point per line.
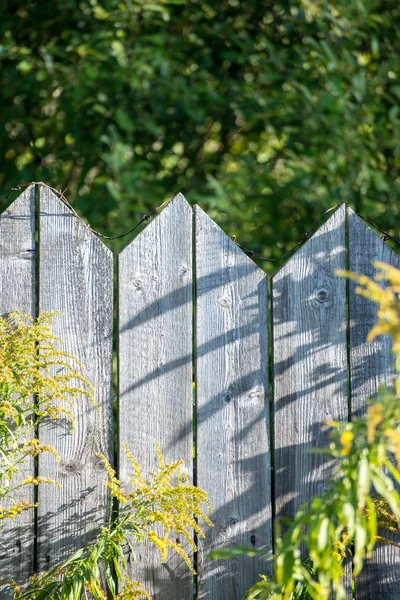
306	236
251	253
61	195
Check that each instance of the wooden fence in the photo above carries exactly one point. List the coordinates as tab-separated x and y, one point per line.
194	308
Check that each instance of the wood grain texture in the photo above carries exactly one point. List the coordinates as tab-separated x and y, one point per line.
233	457
310	362
371	366
17	292
155	368
76	279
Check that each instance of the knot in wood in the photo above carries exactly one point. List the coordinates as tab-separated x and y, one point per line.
227	396
184	270
98	465
138	284
223	531
322	296
71	467
255	393
225	301
323	290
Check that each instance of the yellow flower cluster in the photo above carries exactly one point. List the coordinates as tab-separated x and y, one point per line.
17	588
385	516
37	380
346	439
132	591
15	509
165	499
30	361
341	545
34	447
37	480
387	298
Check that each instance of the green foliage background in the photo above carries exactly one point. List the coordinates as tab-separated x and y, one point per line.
264	112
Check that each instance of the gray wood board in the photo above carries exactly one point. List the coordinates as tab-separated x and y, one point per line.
17	292
75	279
310	362
371	366
155	369
233	454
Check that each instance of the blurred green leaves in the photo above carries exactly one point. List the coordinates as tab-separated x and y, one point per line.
280	109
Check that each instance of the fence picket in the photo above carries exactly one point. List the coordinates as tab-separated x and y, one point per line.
233	459
371	365
310	361
17	292
155	368
313	346
76	279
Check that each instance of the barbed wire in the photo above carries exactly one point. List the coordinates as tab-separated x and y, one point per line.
146	217
385	236
306	236
61	195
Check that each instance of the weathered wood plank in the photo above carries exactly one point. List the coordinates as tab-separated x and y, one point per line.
76	279
155	368
233	455
310	362
371	366
17	292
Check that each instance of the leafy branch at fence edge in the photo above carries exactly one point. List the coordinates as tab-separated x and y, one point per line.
367	457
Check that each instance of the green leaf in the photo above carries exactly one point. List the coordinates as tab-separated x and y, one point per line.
77	587
118	570
363	481
323	535
227	553
349	514
110	579
360	540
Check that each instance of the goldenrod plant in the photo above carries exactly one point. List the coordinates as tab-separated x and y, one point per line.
37	380
157	508
388	300
361	495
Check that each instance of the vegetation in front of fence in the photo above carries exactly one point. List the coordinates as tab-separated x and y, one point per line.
347	516
31	390
154	507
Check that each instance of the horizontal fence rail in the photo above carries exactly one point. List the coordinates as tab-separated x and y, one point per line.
195	355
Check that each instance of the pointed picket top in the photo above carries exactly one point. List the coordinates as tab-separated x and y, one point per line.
231	250
76	280
17	247
155	369
17	292
23	205
362	235
233	460
51	206
310	360
175	211
334	223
